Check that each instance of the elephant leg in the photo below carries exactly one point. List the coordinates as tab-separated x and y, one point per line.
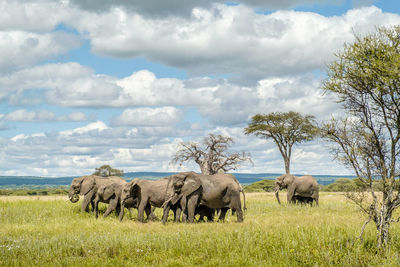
86	200
118	207
184	216
96	207
121	213
222	214
141	209
191	207
165	213
201	218
150	213
113	204
178	213
290	195
210	215
315	197
92	204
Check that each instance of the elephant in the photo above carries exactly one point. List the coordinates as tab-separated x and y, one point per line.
149	193
201	210
205	211
88	186
304	186
302	200
111	193
213	191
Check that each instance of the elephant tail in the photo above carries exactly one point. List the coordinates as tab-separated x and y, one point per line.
244	198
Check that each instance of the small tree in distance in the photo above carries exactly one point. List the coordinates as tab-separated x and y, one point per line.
211	154
285	129
366	79
106	171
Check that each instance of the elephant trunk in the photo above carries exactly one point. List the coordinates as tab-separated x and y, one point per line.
73	197
277	194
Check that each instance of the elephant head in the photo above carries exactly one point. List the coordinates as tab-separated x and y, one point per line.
182	185
130	190
80	186
282	182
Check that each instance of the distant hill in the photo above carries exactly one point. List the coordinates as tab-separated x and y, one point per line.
42	182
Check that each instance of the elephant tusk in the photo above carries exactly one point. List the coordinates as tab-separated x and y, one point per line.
166	203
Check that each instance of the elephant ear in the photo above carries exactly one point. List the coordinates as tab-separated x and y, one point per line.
87	184
108	192
135	189
192	183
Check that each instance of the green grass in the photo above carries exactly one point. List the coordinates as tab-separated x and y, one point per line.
55	233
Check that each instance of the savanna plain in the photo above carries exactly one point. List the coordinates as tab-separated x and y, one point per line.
51	231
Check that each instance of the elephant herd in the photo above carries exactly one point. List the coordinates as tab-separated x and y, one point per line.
187	194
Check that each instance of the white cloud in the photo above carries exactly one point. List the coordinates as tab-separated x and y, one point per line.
22	115
218	101
74	116
31	15
97	126
255	45
19	49
30	116
163	116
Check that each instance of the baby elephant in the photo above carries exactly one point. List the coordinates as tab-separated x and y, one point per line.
302	200
205	211
111	193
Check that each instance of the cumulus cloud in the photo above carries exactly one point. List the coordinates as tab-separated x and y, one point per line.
163	116
22	115
19	49
30	116
255	45
79	150
217	100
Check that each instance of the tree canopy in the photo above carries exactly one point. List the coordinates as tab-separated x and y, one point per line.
107	170
211	154
285	129
365	78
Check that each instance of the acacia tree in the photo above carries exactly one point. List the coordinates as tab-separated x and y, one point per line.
285	128
211	154
366	80
107	170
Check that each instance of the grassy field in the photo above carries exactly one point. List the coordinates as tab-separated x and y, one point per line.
51	231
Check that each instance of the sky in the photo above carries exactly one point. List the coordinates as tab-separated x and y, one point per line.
85	83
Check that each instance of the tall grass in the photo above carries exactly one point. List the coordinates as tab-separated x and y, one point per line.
56	233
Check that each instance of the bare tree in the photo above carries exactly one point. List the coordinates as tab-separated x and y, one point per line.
285	129
211	154
366	80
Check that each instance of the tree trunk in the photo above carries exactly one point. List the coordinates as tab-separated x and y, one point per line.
382	222
287	164
204	168
382	233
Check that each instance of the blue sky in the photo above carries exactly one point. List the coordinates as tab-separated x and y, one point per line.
87	83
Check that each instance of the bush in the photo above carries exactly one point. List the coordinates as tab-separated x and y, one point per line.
261	186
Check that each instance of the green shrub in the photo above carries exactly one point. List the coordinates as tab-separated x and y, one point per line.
261	186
